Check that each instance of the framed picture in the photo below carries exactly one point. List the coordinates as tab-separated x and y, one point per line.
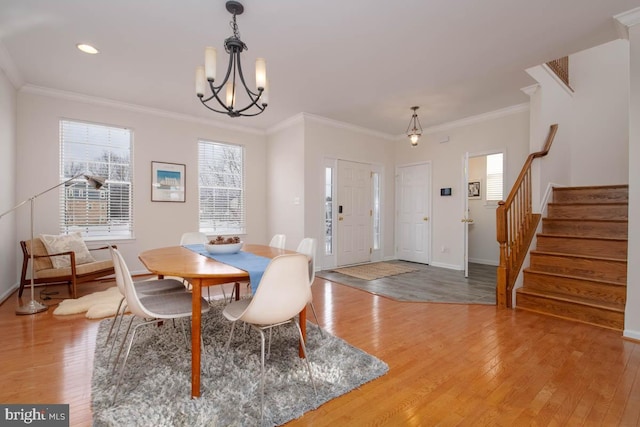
474	189
167	182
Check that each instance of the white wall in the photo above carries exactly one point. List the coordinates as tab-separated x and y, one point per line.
503	130
9	247
550	104
600	105
286	182
156	137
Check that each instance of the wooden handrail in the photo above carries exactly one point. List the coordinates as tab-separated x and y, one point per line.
516	225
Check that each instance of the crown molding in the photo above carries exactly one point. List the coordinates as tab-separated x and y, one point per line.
342	125
530	90
286	123
491	115
94	100
625	20
9	67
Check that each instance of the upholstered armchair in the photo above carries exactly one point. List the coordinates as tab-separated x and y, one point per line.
65	266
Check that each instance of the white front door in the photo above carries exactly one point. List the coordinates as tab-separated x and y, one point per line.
354	213
413	190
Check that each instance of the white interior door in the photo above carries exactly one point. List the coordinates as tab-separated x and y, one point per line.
413	208
354	213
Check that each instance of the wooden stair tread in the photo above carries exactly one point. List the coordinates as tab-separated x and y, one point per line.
593	187
588	257
588	203
566	276
572	236
603	305
585	220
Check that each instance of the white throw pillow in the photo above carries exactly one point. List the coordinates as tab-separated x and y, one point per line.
65	243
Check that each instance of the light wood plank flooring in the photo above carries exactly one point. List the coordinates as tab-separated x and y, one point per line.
450	364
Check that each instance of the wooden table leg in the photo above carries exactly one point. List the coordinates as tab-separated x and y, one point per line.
303	328
195	337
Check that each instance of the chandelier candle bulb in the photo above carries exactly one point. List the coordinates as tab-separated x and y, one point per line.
261	73
230	100
210	55
200	81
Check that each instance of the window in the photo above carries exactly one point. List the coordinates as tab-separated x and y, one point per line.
494	177
221	188
376	211
106	152
328	210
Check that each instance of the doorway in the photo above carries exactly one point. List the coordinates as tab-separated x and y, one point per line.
413	210
484	180
354	213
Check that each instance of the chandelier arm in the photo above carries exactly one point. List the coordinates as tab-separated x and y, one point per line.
246	88
226	111
254	103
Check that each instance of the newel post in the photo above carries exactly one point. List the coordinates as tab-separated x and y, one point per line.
501	232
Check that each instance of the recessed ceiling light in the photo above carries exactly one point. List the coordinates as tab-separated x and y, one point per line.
87	48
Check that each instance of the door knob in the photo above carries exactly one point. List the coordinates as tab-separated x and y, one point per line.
340	218
426	218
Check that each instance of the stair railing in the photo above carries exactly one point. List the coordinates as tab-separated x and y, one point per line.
516	225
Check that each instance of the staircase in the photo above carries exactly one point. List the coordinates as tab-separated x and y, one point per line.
578	270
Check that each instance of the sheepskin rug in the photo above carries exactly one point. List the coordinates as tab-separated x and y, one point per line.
97	305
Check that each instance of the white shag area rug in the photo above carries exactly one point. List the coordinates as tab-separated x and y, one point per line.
98	305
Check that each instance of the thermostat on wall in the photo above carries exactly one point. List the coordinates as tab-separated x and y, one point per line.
445	191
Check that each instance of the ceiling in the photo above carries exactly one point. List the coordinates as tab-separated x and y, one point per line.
362	62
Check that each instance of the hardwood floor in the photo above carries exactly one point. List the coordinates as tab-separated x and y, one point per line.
450	364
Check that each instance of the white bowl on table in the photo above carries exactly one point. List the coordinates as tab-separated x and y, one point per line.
224	248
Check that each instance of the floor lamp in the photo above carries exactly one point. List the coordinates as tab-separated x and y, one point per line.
33	306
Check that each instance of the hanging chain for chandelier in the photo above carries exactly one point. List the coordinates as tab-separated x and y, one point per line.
207	74
414	130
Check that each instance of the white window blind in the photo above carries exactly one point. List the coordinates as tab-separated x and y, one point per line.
494	177
221	188
103	151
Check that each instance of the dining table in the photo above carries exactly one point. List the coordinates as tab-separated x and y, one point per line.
202	271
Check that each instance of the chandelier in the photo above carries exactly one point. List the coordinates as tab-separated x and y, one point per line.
234	80
414	130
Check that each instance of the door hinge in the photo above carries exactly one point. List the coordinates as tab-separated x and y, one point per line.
370	251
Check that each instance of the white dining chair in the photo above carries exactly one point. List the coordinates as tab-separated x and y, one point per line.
308	246
282	293
146	287
151	309
197	237
278	241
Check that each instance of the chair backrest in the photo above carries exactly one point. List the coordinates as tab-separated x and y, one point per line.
130	294
308	247
278	241
118	270
282	293
193	237
39	249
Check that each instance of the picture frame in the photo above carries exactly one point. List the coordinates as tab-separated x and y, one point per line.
168	182
475	189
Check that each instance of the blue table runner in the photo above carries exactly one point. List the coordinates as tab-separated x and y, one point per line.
251	263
